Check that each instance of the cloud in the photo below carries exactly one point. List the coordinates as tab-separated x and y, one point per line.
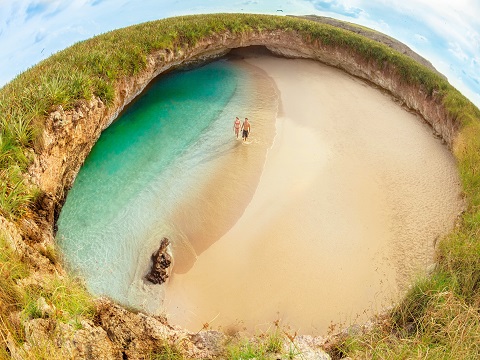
456	50
44	9
454	21
41	34
11	11
35	9
338	7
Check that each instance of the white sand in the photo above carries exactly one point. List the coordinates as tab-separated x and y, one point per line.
354	192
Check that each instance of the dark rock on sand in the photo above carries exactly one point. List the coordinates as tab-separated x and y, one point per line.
161	261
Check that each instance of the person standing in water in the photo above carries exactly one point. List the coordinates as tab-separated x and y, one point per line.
246	129
236	126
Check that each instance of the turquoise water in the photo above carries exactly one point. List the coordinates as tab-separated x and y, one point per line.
141	167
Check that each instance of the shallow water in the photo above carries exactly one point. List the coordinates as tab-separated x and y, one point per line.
164	149
325	214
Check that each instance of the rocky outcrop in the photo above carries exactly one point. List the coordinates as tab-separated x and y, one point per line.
373	35
161	261
138	336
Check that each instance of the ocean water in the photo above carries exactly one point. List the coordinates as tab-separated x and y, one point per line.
132	189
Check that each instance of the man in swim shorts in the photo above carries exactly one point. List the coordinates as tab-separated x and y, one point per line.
246	129
236	126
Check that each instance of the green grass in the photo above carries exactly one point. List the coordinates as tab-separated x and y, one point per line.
67	296
424	325
431	323
12	269
269	345
167	352
262	347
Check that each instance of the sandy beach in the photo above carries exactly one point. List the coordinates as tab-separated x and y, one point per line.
353	194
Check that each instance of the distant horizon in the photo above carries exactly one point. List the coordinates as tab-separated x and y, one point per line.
446	35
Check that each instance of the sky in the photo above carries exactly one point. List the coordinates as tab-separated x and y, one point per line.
445	32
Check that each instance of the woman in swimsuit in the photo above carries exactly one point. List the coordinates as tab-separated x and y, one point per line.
236	126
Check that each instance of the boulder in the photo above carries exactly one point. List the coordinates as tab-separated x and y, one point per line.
161	261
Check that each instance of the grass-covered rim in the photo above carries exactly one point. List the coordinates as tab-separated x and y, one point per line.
92	68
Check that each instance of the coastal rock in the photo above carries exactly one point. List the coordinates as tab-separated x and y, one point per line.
37	333
161	261
308	348
138	336
92	342
373	35
134	334
45	309
51	338
210	339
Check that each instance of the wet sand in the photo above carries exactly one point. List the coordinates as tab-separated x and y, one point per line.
354	192
227	181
